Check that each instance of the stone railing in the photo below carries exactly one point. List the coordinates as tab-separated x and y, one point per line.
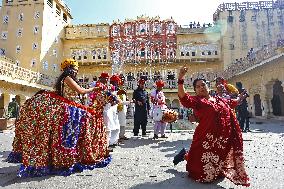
247	6
253	59
184	30
86	31
13	71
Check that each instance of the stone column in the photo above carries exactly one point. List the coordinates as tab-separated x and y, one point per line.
267	99
21	99
268	110
5	99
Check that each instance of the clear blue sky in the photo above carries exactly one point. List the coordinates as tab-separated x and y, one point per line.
105	11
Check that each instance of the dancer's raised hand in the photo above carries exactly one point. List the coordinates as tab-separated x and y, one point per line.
183	70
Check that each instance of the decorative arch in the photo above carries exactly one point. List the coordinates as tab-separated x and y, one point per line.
257	105
277	100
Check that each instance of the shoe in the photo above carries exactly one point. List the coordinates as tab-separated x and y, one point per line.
248	130
164	136
144	134
110	149
135	134
179	157
113	145
124	138
155	136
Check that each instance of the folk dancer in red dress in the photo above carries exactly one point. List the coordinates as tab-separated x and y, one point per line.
216	150
57	135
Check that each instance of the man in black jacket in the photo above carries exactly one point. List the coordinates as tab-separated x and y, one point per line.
242	110
142	107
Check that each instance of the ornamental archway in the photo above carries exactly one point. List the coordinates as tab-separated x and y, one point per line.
257	105
277	101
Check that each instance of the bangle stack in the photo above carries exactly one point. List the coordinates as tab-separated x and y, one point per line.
180	81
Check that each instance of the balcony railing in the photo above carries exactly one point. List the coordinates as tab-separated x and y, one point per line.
253	60
10	70
248	6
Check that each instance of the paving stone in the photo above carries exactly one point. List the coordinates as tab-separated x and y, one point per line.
143	163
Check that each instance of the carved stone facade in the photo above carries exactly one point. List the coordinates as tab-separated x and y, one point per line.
245	44
260	81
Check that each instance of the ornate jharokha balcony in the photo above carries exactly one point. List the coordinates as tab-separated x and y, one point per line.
10	72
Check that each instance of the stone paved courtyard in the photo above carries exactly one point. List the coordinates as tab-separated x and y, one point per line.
142	163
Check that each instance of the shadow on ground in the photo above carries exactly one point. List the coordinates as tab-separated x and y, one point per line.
4	155
179	180
8	176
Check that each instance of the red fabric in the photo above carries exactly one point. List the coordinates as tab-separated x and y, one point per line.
101	86
40	128
217	146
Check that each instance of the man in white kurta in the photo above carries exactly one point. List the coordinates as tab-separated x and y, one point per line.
122	110
110	114
112	123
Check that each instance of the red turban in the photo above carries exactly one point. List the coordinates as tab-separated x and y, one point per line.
160	83
141	81
104	75
115	78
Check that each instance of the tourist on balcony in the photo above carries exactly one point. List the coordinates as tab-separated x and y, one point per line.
56	135
159	103
142	108
216	150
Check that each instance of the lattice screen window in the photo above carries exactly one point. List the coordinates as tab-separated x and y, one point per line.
4	35
2	52
18	49
5	19
54	67
37	15
20	32
33	63
54	52
17	62
35	46
94	54
45	65
36	29
21	17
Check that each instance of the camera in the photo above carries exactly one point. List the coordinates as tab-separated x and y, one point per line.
244	93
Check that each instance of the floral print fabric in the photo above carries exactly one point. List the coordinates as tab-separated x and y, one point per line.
54	134
217	146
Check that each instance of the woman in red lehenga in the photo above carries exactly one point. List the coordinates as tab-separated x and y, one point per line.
217	146
55	134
